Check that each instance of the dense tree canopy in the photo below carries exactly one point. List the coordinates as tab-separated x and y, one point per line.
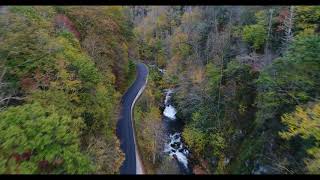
35	139
237	71
56	85
246	86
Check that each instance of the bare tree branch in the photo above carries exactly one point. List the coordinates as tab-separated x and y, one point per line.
3	73
9	98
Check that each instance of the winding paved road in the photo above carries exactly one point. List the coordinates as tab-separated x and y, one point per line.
125	132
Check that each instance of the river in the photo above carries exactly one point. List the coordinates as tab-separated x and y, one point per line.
174	146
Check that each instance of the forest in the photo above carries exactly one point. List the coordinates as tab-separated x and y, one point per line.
246	83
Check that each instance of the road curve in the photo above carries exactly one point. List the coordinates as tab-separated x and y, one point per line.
125	128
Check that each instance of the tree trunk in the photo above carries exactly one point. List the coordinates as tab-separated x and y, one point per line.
288	23
267	49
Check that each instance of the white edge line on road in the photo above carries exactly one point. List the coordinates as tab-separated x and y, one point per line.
139	168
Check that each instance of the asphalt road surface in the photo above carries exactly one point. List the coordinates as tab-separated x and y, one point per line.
125	128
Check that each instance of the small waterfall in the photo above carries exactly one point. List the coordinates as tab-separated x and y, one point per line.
174	146
169	110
